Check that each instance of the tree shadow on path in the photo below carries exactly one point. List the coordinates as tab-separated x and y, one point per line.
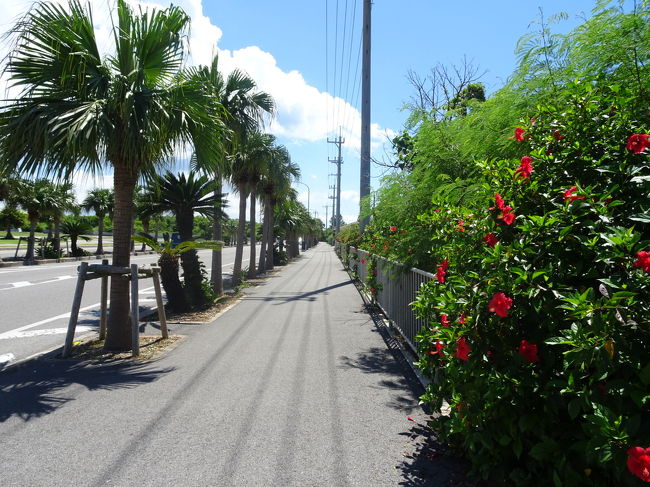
38	388
427	463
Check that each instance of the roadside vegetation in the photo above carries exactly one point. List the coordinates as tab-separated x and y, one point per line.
530	207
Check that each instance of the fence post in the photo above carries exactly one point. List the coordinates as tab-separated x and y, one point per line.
135	312
103	305
76	305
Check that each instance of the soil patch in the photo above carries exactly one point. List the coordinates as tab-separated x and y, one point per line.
203	315
150	347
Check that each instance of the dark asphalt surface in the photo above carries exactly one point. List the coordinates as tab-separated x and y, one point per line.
294	386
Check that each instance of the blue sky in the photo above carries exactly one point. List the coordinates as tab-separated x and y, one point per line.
282	44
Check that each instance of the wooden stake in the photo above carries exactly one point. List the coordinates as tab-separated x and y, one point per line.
104	305
74	313
161	307
135	312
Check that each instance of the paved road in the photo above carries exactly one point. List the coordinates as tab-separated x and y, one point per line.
35	303
294	386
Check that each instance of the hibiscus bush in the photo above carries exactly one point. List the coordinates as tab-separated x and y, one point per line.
539	313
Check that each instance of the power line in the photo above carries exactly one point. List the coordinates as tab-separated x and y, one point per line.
347	81
340	108
327	109
336	48
355	87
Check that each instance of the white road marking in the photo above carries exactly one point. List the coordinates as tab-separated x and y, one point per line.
49	331
42	322
6	358
19	284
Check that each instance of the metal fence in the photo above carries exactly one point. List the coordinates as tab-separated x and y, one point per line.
397	290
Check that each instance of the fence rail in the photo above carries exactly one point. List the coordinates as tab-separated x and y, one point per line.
398	288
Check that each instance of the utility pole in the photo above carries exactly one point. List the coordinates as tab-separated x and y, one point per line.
327	214
333	198
364	170
338	161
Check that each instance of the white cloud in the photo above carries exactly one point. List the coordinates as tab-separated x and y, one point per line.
302	110
350	195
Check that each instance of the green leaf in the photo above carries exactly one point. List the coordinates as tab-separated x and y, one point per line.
640	218
644	375
544	451
574	407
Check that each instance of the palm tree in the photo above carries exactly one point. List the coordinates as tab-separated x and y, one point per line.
74	228
129	111
292	220
184	196
168	262
61	200
35	197
247	169
244	107
100	202
10	217
275	185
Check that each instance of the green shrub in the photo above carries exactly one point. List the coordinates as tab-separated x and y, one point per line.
540	310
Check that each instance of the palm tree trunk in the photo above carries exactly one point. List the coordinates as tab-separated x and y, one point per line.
271	238
217	234
118	337
190	261
29	255
145	229
253	240
56	243
100	235
241	229
265	236
172	283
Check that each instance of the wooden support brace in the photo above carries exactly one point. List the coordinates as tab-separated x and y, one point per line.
135	312
103	305
108	269
155	274
74	313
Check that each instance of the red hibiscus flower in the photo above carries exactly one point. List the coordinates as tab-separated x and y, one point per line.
507	216
463	349
490	239
557	135
441	271
437	210
519	134
500	304
363	261
461	319
439	348
569	194
643	261
528	351
638	462
393	228
461	228
525	168
499	202
444	319
637	143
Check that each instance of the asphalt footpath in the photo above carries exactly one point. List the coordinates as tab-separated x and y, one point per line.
296	385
